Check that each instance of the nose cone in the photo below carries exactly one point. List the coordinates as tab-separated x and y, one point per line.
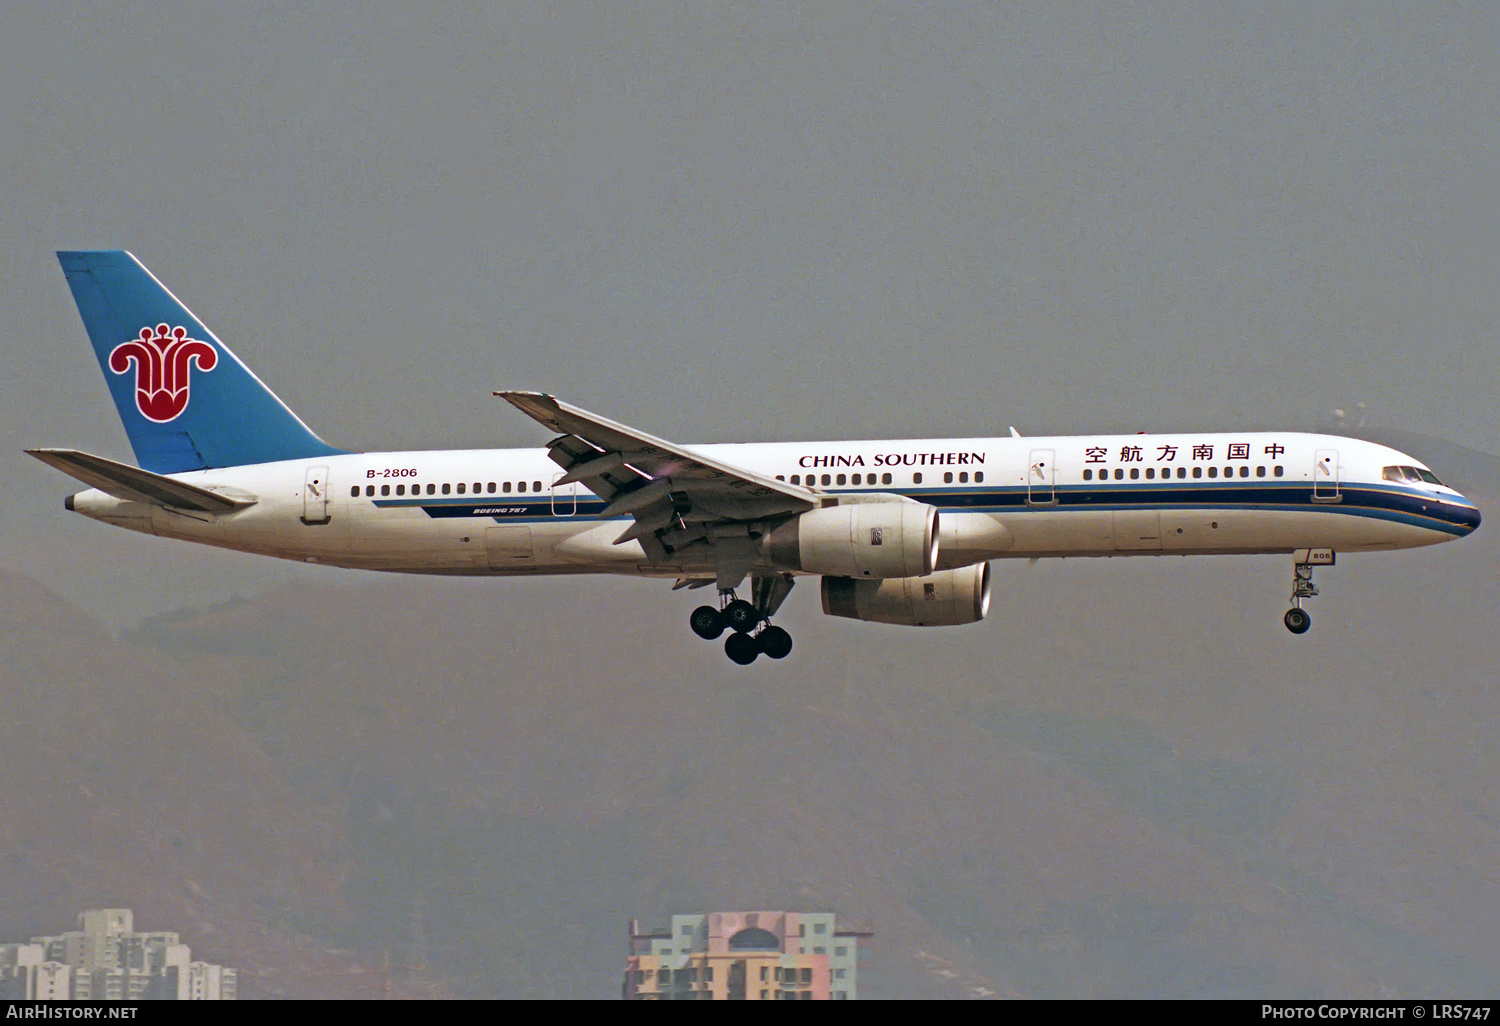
1467	516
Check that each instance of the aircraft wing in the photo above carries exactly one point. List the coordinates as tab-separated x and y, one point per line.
678	498
135	485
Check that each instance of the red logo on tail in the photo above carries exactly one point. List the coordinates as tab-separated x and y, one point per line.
161	369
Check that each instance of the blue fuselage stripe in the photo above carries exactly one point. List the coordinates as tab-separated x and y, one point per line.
1382	502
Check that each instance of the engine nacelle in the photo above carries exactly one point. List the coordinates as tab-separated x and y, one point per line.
859	540
944	599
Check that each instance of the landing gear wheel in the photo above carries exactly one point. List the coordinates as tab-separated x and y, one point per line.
1297	620
707	622
741	616
741	648
775	642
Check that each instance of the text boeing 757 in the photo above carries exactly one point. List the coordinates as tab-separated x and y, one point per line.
901	532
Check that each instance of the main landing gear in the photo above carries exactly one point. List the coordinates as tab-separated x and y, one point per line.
1297	620
749	621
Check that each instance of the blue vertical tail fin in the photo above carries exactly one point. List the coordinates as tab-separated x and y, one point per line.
187	402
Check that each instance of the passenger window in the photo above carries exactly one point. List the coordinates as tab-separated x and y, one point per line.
1244	472
796	479
916	478
491	488
1197	471
1150	473
354	492
385	489
963	477
979	477
447	488
1278	471
1228	471
521	486
1260	471
505	487
370	492
1213	471
947	477
1135	473
1119	474
781	477
843	478
536	486
460	488
1088	475
401	489
432	489
885	479
827	479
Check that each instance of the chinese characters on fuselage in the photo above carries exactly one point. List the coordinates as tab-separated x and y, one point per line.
1168	453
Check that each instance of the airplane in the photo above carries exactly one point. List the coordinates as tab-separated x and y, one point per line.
899	531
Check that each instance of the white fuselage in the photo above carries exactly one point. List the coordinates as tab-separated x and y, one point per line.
498	511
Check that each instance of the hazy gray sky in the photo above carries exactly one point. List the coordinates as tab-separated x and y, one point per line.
748	221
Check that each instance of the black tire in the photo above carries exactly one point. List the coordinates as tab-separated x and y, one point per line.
775	642
707	623
741	616
1297	621
741	648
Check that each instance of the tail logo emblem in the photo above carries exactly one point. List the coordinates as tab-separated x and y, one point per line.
162	356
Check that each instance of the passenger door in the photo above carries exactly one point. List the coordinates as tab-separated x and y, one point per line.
1041	478
564	497
315	496
1326	476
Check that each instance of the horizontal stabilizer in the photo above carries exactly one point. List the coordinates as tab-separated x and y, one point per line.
135	485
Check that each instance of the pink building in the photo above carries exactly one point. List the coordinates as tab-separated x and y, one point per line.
744	956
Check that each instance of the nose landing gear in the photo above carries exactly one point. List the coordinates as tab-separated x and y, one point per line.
749	621
1297	619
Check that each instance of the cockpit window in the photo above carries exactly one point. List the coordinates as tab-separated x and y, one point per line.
1413	474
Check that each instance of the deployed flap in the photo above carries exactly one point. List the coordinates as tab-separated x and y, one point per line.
135	485
672	493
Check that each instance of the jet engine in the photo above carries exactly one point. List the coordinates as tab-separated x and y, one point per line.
944	599
859	540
